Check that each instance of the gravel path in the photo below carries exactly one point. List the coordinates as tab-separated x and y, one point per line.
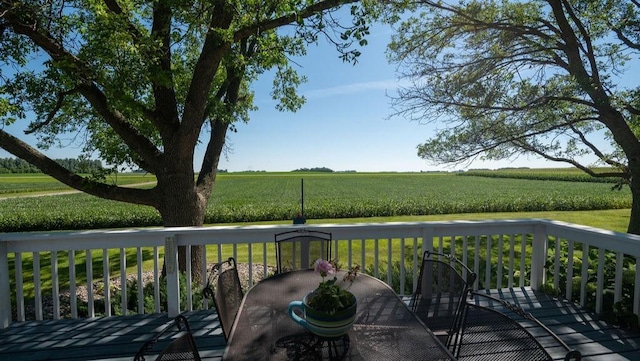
98	287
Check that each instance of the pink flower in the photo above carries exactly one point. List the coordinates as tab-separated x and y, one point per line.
323	267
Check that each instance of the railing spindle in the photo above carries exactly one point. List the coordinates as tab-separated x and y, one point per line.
156	278
89	264
73	298
617	293
189	305
55	286
512	256
5	287
37	286
107	282
556	264
123	281
500	255
569	281
19	288
140	282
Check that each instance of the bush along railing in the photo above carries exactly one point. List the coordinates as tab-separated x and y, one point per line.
592	267
597	269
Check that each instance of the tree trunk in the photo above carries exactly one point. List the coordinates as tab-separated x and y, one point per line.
634	219
182	205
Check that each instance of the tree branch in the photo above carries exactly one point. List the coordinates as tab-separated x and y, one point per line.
213	50
166	105
572	51
271	24
61	96
113	6
22	150
86	86
595	149
573	162
136	141
589	53
631	109
165	115
219	127
620	34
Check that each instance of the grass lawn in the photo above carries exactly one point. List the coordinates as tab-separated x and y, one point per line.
609	219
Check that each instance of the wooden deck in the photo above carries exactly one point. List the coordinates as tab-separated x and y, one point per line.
580	330
108	338
119	338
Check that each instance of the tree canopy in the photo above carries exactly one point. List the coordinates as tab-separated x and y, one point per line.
541	77
141	83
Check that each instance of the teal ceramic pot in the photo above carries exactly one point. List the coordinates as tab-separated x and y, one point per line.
320	323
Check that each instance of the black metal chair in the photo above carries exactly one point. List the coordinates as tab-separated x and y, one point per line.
490	330
440	297
182	348
299	249
224	288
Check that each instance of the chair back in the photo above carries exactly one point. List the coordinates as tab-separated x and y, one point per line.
223	286
440	297
491	326
299	249
182	348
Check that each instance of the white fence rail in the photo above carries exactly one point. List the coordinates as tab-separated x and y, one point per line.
586	265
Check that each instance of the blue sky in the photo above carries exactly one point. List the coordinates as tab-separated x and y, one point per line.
344	125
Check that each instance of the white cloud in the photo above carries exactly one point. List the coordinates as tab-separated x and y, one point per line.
389	85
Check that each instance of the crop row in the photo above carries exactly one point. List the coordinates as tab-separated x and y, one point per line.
277	197
558	174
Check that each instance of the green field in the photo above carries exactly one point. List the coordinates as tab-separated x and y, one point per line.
275	197
17	184
329	197
563	174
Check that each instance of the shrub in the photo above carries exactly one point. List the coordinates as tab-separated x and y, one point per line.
148	293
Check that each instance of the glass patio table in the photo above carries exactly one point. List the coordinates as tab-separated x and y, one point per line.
384	329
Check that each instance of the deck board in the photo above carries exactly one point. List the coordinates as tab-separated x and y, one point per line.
595	339
119	338
107	338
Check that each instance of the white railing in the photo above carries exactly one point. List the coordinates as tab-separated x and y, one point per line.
35	265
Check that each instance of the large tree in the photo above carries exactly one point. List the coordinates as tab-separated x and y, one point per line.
509	78
141	83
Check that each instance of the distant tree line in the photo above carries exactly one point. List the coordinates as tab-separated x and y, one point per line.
17	165
317	169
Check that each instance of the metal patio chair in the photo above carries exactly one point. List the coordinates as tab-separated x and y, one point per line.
491	330
223	286
299	249
182	348
440	296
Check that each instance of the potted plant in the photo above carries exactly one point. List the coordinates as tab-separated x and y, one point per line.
329	310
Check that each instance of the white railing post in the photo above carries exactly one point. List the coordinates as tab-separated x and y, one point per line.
538	255
173	279
5	291
427	240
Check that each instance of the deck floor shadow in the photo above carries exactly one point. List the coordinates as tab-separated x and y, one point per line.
118	338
